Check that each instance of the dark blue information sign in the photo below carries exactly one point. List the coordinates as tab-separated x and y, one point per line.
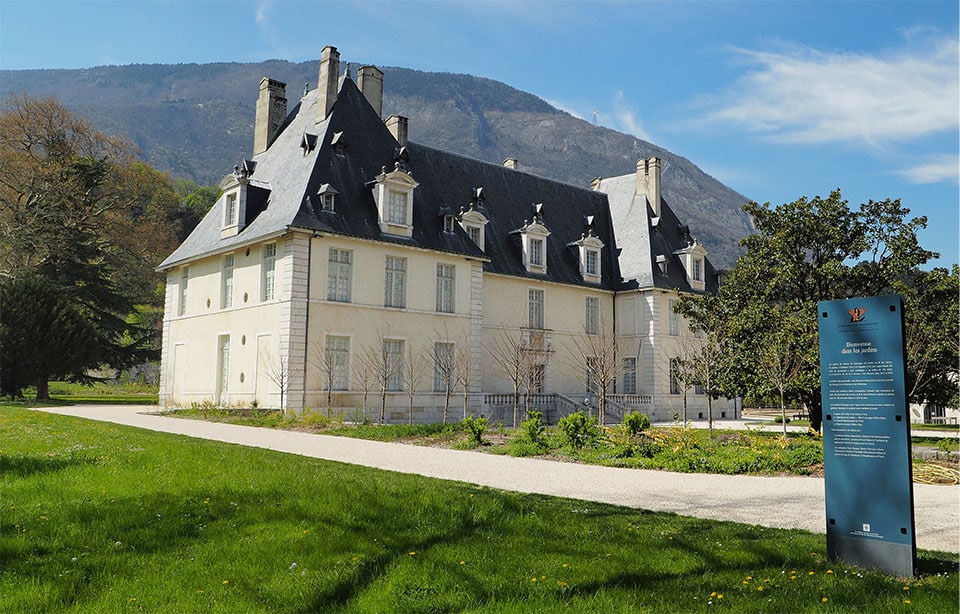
866	434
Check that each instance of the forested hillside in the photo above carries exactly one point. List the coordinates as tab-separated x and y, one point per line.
196	121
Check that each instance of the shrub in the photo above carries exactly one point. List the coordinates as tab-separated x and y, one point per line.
475	427
635	422
579	430
533	429
779	420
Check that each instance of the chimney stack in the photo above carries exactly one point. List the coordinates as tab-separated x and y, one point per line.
397	125
271	111
327	81
648	182
511	163
370	82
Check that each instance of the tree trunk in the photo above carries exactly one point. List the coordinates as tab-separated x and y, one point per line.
812	401
43	391
783	413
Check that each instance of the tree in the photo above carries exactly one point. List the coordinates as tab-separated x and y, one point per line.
462	371
444	356
506	350
599	355
279	373
78	211
806	251
43	334
781	361
411	374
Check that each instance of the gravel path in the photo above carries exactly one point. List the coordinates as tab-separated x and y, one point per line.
785	502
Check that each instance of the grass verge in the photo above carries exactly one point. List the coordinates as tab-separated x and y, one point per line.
103	518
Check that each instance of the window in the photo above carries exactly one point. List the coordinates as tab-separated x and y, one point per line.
535	309
339	267
474	233
226	282
698	389
536	252
630	375
445	287
223	368
397	207
674	376
592	320
394	292
536	379
230	215
337	358
697	269
393	364
268	271
184	278
326	201
449	223
443	365
592	264
674	318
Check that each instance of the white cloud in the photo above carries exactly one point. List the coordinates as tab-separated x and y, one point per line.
943	168
263	10
626	120
805	96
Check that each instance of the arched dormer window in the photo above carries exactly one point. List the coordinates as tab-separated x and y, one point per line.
693	257
472	219
393	194
533	240
588	252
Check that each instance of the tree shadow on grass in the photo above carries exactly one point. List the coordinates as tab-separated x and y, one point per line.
22	466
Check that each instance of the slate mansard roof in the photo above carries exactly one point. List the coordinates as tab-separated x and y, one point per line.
282	195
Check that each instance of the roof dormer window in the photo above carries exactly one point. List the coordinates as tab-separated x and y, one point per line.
533	240
449	223
393	194
235	198
588	252
693	258
472	219
328	197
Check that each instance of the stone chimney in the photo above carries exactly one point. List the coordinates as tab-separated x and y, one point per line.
648	182
397	125
511	163
327	81
271	111
370	82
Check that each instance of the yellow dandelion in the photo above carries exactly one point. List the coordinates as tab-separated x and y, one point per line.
760	587
823	600
746	582
719	595
413	554
354	558
462	563
906	601
671	537
533	579
132	599
749	577
564	565
713	594
829	571
226	581
810	573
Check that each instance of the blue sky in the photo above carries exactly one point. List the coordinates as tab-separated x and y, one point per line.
776	99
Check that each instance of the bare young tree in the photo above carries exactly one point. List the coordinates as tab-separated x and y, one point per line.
680	370
323	360
411	373
279	373
462	370
444	354
781	364
599	356
384	368
705	366
507	352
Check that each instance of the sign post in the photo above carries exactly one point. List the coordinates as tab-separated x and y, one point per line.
866	434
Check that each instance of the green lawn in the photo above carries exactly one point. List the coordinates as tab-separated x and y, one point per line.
103	518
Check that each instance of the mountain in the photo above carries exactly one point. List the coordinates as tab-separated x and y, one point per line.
196	121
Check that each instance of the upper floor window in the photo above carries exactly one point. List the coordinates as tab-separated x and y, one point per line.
268	271
395	280
449	223
536	252
226	284
339	275
674	321
535	308
328	196
588	250
184	281
592	266
697	269
592	318
446	281
475	233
